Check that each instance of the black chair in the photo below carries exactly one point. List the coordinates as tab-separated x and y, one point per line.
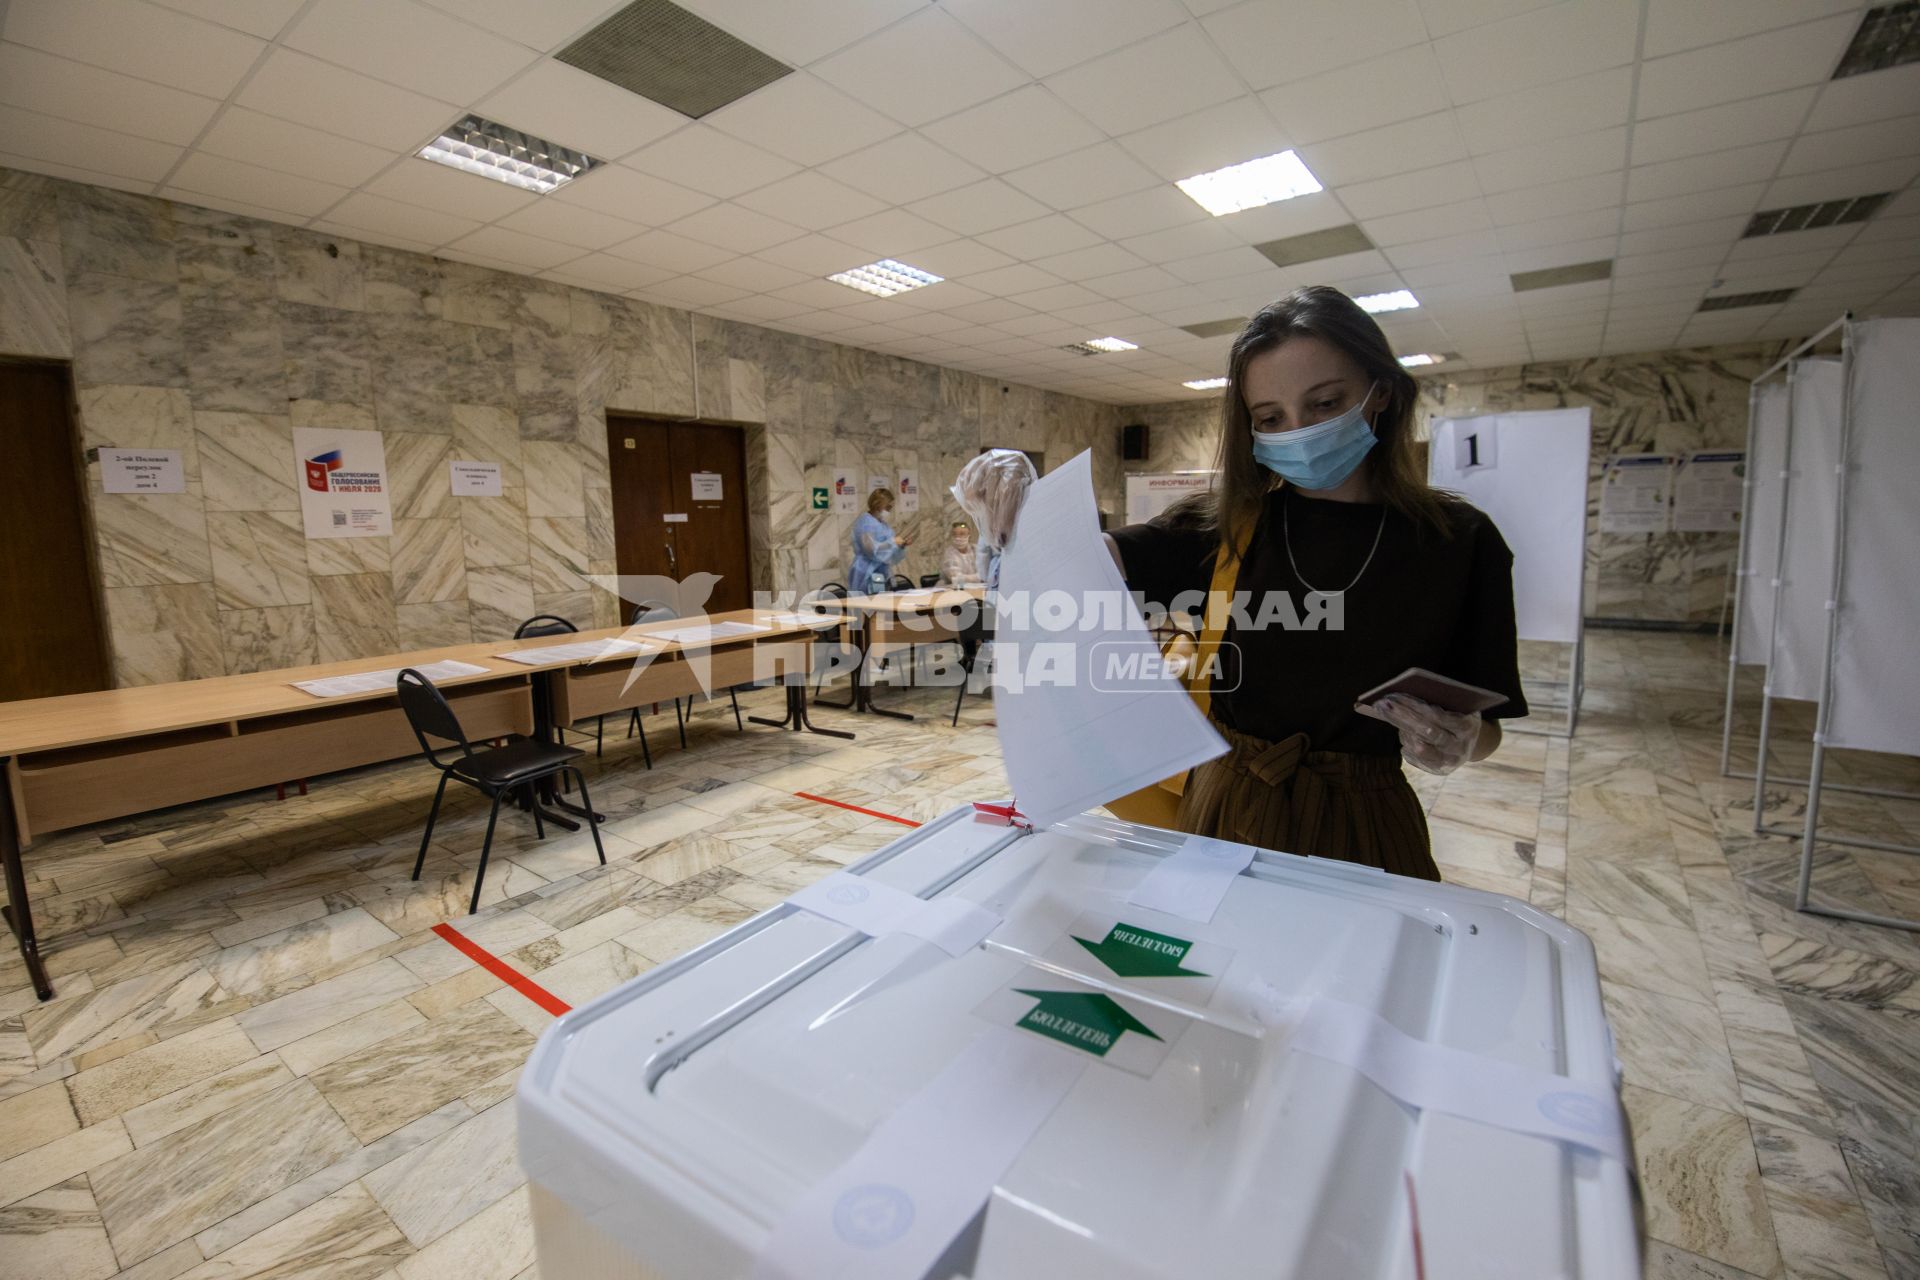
495	772
548	624
833	653
975	634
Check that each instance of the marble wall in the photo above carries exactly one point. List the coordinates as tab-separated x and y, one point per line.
1655	402
217	334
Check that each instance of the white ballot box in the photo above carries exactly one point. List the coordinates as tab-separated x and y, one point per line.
978	1053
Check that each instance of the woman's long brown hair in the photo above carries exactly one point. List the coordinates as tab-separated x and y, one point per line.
1323	312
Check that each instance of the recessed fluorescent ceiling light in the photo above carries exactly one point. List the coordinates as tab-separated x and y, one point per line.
885	278
1414	362
1251	184
507	155
1205	384
1398	300
1108	344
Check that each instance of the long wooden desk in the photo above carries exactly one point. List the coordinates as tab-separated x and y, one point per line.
90	757
894	619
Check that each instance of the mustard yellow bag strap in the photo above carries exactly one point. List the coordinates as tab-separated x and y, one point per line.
1226	568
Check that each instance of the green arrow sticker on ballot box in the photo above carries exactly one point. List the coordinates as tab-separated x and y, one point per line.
1133	952
1088	1020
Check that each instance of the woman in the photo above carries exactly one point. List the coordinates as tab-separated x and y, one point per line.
875	549
1321	492
957	567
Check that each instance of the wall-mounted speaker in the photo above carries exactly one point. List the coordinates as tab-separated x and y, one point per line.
1133	442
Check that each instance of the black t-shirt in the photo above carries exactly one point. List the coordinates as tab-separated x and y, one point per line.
1443	603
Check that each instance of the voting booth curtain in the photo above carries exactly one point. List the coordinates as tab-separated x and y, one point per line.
1845	578
1528	470
1760	528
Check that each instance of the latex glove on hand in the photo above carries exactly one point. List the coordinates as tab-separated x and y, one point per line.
1431	738
991	489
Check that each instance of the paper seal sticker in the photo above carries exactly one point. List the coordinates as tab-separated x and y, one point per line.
901	1199
952	924
1191	881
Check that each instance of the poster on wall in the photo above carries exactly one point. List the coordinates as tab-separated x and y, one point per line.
1148	496
909	491
342	478
142	471
706	486
1707	492
1636	495
875	481
475	479
846	492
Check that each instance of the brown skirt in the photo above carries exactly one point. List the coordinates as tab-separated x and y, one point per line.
1326	804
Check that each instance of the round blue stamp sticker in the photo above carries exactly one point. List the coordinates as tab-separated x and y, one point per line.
872	1215
1577	1111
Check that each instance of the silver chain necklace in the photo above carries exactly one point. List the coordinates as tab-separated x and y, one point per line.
1286	536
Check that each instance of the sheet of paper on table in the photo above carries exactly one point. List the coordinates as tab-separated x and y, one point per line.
802	619
383	681
704	634
1086	712
581	651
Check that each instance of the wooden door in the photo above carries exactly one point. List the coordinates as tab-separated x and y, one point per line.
713	539
55	643
660	526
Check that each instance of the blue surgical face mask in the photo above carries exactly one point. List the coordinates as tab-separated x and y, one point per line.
1320	456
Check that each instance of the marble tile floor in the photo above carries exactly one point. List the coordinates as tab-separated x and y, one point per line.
261	1062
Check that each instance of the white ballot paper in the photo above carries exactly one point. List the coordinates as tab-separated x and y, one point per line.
1085	708
383	681
703	635
580	651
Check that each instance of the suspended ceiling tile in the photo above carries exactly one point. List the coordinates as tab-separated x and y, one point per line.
804	119
1540	46
1044	38
43	82
1159	79
701	157
1273	43
1736	69
922	68
136	39
310	92
564	104
408	44
980	206
1386	90
798	34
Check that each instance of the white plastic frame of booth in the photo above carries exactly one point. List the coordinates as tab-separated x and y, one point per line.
1847	468
1546	527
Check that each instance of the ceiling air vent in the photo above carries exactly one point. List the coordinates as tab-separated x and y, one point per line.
663	53
1216	328
1888	36
1805	217
1315	245
1578	273
1730	301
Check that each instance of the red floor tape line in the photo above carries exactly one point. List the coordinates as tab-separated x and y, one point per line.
502	970
871	813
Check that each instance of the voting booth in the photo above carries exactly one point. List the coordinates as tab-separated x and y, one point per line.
1529	472
1095	1049
1834	581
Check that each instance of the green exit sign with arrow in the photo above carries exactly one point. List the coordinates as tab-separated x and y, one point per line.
1087	1020
1133	952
